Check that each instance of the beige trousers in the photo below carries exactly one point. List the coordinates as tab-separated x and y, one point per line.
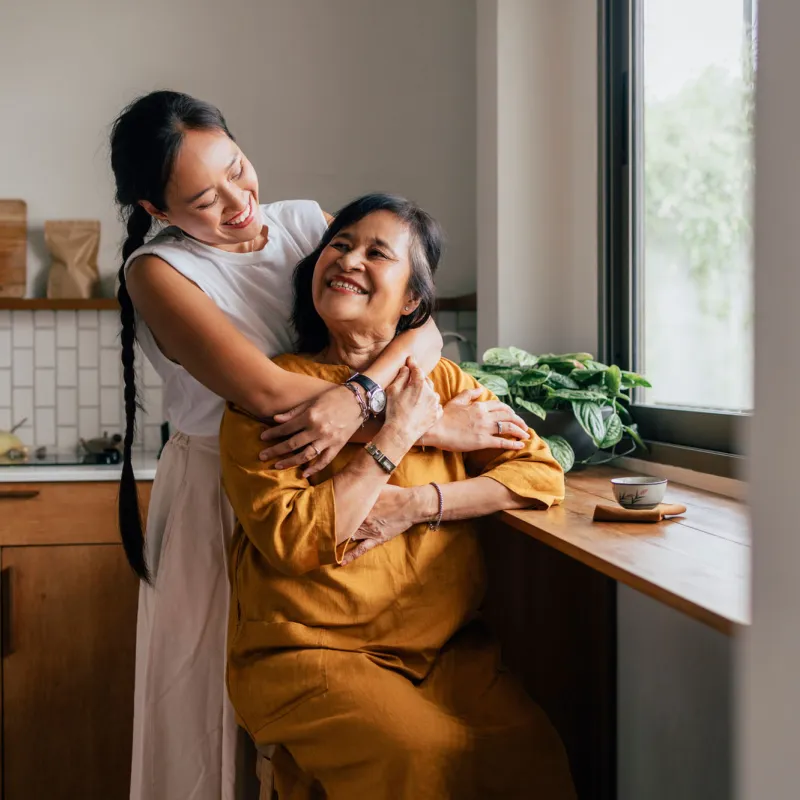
186	744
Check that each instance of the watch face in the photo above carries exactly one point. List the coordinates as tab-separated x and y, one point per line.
377	401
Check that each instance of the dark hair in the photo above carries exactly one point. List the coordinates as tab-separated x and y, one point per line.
426	250
145	140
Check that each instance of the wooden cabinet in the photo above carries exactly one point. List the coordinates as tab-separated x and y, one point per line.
556	621
68	613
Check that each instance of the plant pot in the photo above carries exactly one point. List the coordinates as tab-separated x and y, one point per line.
564	424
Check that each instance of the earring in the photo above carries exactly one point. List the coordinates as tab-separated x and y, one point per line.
405	308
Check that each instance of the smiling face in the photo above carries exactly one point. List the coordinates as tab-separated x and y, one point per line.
212	193
361	278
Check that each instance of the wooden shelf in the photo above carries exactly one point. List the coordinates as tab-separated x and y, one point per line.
698	563
44	304
467	302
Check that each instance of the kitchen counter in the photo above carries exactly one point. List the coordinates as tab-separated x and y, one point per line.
144	468
698	563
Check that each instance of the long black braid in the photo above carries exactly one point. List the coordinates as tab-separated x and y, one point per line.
145	140
130	517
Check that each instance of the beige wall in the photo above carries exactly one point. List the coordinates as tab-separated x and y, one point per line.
329	99
537	174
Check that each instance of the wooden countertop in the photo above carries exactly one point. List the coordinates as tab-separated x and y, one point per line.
698	563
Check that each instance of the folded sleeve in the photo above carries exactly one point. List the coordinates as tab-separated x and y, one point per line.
530	472
291	522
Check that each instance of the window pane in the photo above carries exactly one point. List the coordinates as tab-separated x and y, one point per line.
694	173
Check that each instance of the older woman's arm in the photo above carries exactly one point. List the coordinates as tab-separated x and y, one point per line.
298	526
526	478
505	485
399	509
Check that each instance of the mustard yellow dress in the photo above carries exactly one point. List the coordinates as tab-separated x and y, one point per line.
378	679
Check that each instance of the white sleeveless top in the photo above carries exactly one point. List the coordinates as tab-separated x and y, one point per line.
254	290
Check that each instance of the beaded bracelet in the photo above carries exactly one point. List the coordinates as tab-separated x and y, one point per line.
435	524
361	403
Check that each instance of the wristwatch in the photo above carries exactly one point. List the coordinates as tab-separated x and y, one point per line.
376	397
385	463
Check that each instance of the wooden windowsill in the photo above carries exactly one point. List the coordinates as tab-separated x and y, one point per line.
698	563
45	304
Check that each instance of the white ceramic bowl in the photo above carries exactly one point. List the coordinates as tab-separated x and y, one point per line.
644	492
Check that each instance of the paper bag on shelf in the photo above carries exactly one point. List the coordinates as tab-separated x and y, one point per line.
73	245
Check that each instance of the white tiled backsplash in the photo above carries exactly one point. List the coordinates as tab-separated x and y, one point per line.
61	370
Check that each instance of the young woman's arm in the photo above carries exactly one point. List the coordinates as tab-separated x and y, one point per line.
192	331
469	424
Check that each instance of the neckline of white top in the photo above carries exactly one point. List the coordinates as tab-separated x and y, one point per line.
237	258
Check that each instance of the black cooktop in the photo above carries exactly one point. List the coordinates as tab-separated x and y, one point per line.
65	460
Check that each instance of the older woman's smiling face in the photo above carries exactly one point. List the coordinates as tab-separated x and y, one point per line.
361	278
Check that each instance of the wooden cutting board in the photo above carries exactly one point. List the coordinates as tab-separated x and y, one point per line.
13	247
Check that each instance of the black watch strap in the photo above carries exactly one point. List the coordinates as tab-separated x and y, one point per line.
367	384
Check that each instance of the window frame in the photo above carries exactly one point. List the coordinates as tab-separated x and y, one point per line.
711	441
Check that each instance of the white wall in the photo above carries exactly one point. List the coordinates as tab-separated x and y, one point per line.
329	99
769	658
537	288
674	707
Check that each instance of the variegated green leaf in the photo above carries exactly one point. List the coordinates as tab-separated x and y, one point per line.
500	356
471	367
630	379
590	418
588	376
523	357
533	377
578	394
613	432
494	383
613	378
562	381
595	365
562	451
550	358
534	408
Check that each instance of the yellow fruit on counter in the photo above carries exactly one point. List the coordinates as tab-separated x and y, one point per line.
8	441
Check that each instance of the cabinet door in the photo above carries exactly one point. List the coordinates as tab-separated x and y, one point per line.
69	632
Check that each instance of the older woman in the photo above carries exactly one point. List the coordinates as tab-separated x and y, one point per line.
354	637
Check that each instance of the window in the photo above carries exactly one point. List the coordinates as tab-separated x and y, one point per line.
678	173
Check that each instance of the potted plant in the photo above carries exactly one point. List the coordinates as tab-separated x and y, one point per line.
576	404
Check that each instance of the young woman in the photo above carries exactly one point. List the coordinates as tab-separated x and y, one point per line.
209	299
369	664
